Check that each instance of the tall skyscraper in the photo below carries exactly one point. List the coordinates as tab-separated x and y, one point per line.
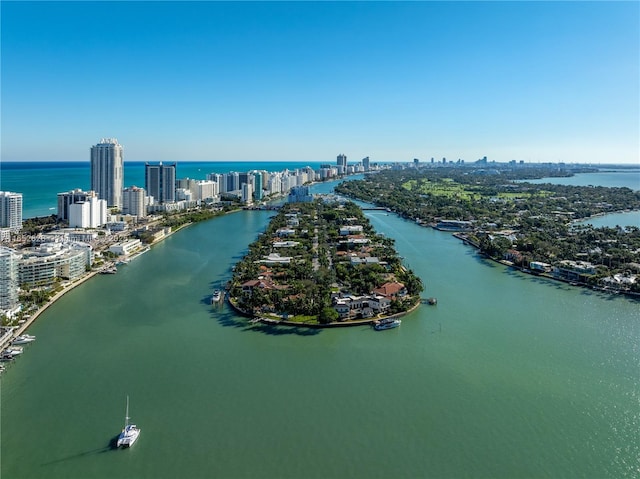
160	182
342	161
233	181
11	210
9	261
258	186
107	171
365	163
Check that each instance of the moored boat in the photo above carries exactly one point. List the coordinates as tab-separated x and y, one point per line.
6	357
23	339
216	296
387	323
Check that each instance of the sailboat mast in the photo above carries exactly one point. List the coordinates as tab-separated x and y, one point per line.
126	416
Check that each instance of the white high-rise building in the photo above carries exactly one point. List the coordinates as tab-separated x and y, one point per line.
11	210
70	197
9	263
107	171
133	201
206	190
220	180
79	214
247	193
88	214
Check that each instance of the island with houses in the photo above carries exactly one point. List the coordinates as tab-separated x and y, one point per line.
320	263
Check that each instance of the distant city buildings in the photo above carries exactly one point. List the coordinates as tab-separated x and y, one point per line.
160	182
11	211
107	171
197	190
365	163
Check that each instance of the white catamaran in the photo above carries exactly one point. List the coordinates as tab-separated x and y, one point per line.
129	433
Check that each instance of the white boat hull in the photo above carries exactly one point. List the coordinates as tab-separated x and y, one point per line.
128	436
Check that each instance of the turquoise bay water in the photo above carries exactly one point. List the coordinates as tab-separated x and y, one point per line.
509	376
627	218
620	178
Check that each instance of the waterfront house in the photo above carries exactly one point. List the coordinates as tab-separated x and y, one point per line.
379	303
350	230
350	306
454	225
275	258
540	266
573	270
391	290
285	244
285	232
514	256
262	283
364	260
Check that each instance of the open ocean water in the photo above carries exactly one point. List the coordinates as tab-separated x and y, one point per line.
41	181
509	376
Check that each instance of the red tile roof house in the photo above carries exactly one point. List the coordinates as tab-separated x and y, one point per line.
266	283
392	290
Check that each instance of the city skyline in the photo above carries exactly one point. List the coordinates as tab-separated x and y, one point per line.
300	81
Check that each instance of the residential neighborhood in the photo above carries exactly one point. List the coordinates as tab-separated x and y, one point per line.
333	268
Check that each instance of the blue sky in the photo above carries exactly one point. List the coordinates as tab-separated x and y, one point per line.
532	81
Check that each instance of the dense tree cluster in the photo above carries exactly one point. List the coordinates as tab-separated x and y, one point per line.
540	216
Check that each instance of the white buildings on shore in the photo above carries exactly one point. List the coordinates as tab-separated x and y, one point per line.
126	247
88	214
49	262
9	262
82	209
11	211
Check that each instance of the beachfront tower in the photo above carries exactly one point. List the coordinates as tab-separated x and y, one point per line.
11	210
257	194
9	261
134	201
342	161
160	182
107	171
